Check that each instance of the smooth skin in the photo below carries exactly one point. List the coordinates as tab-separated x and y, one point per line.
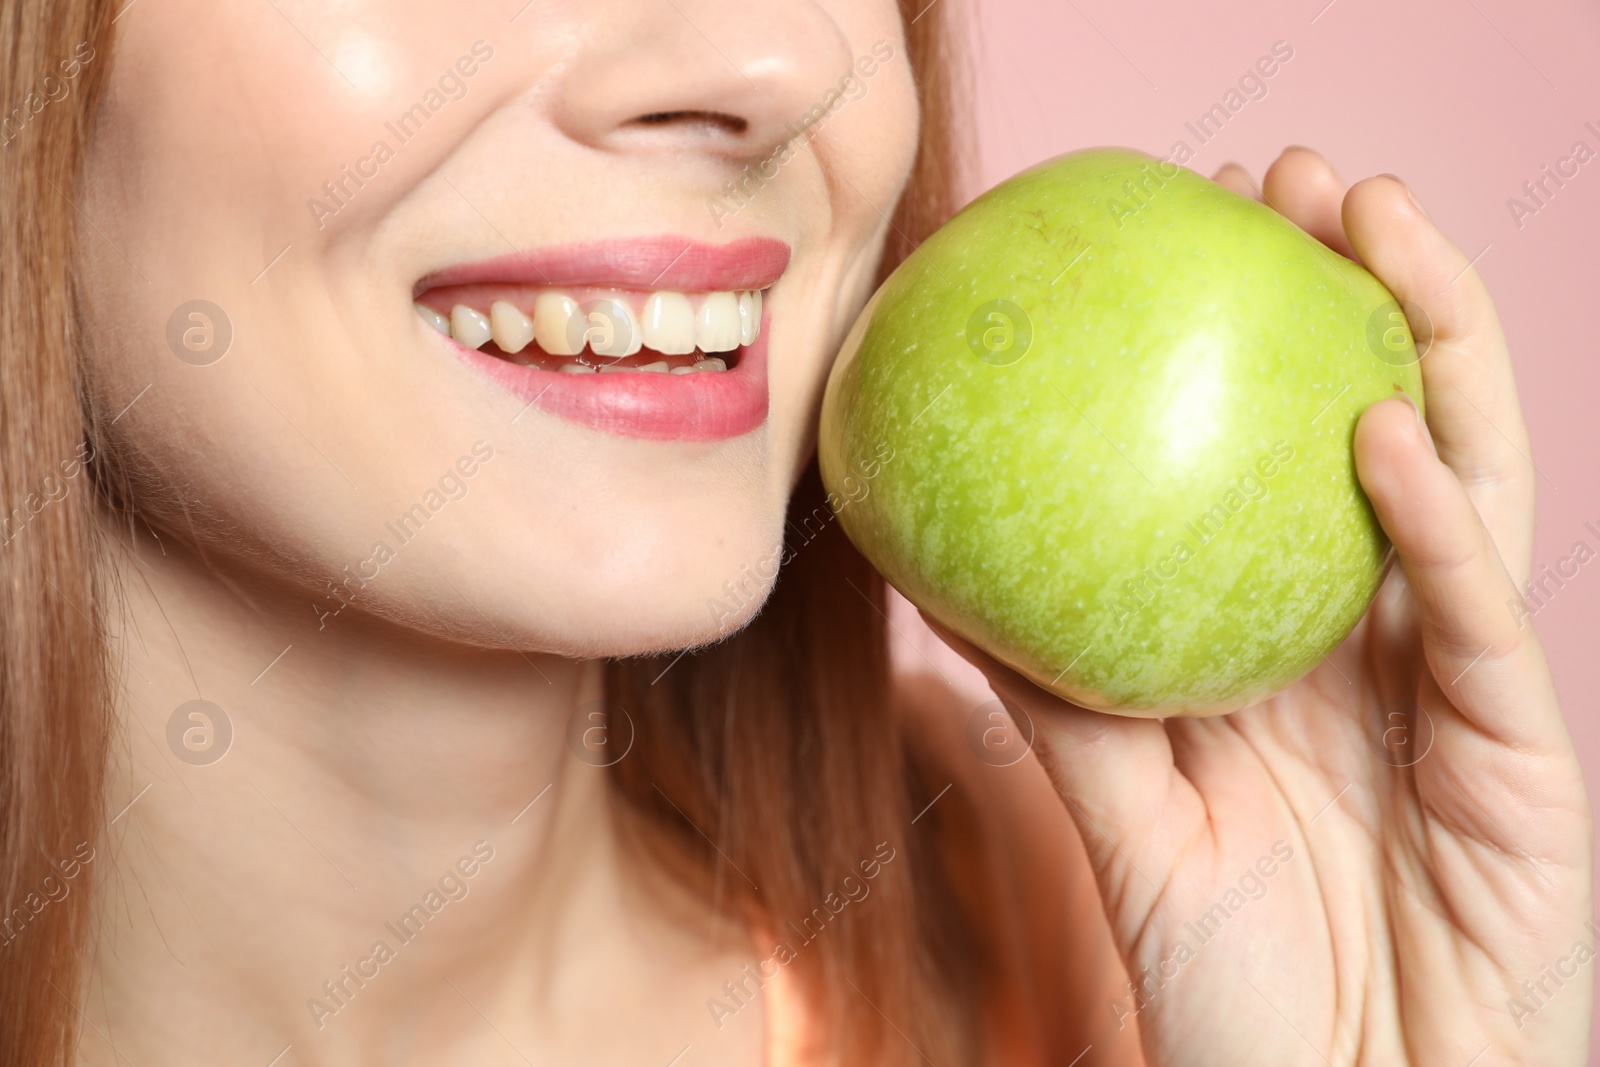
376	743
1417	899
373	748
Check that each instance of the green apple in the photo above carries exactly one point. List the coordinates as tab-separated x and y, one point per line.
1100	425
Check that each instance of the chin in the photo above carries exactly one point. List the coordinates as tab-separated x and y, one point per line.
699	605
634	596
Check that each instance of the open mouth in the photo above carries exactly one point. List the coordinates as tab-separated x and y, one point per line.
586	330
655	337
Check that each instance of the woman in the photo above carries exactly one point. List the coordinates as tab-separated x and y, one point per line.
354	546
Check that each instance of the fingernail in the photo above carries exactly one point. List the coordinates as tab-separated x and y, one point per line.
1422	423
1410	195
1322	158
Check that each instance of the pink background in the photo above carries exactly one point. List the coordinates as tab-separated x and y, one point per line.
1465	99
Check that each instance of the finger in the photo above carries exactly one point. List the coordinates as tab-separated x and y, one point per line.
1466	371
1475	633
1091	758
1236	178
1303	188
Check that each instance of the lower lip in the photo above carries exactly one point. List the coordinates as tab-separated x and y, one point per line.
704	406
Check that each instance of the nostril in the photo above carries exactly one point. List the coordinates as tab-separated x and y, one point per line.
660	89
714	120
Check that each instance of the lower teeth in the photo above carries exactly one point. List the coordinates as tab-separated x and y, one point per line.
713	364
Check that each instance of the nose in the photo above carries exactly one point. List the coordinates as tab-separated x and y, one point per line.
725	78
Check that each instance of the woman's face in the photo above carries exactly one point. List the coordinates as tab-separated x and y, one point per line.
339	182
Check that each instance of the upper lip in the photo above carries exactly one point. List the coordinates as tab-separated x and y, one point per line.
664	262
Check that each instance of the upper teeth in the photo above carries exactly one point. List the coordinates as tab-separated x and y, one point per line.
512	330
666	322
470	327
716	327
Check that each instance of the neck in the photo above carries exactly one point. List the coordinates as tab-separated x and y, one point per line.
396	842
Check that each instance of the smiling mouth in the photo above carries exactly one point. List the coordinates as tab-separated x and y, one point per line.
589	330
660	337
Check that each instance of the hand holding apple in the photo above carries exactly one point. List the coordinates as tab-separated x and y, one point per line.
1122	399
1421	781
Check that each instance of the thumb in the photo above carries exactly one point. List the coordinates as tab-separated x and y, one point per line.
1116	775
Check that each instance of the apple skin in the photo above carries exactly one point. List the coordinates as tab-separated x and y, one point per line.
1134	485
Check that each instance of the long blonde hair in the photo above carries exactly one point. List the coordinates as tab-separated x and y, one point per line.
773	742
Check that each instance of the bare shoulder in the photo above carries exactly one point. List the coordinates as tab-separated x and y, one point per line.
1051	973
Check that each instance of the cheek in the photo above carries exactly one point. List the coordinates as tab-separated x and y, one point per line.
212	194
245	352
873	139
306	443
891	106
882	132
872	142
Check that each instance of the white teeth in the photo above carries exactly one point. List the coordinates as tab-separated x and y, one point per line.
434	319
683	370
512	329
576	368
469	327
667	324
671	323
716	326
658	367
749	317
611	331
713	363
552	312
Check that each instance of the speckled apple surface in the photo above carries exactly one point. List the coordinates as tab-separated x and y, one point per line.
1100	425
